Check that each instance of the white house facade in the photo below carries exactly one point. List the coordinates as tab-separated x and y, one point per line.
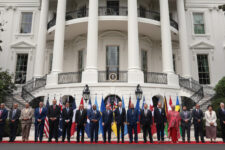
171	48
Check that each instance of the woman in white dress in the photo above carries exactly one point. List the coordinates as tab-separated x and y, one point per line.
211	125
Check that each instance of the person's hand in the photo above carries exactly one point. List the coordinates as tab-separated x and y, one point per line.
164	123
0	119
103	124
186	121
84	124
13	120
199	120
223	122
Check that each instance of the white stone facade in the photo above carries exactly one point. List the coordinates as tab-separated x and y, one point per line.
54	50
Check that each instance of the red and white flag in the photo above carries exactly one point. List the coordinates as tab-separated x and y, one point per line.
170	104
151	107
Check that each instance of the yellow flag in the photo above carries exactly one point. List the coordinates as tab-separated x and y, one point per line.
114	128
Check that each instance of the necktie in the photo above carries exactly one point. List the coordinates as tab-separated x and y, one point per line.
160	111
40	110
14	113
67	110
54	107
0	113
120	111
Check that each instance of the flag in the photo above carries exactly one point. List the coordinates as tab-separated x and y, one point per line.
151	107
114	127
97	108
100	121
87	127
177	108
170	104
129	102
166	111
143	104
125	127
60	119
46	126
138	110
73	127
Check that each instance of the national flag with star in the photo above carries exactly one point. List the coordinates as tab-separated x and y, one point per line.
114	126
60	119
170	104
177	108
125	126
46	126
73	127
97	108
102	109
138	109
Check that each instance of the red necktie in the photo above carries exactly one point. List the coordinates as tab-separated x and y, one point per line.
40	110
54	107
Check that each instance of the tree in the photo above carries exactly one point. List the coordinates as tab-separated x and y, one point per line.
6	85
220	88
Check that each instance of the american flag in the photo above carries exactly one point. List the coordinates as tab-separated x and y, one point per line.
73	127
46	127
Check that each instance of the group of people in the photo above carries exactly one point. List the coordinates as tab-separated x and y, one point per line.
131	118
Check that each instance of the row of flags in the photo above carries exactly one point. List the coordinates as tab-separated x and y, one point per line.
167	108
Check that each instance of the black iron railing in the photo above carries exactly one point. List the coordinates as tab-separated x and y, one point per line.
104	76
193	86
155	78
69	77
113	11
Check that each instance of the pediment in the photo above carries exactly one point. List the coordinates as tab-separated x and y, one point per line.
202	45
23	44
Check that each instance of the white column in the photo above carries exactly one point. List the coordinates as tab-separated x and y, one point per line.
57	65
90	75
58	50
135	75
167	54
41	45
185	52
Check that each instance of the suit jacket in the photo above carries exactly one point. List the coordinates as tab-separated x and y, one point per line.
146	119
4	116
81	119
26	114
16	117
94	116
120	118
67	115
107	118
39	115
210	118
132	116
159	117
183	118
221	115
54	113
196	116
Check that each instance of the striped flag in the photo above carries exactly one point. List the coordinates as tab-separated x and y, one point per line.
170	104
151	107
166	111
73	127
46	126
138	109
87	127
60	119
114	126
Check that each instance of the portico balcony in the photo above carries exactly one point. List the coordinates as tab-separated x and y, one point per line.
119	11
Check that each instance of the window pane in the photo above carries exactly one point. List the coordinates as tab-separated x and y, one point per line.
21	69
26	22
112	60
81	61
203	69
199	25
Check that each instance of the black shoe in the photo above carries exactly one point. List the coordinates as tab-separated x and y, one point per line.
203	141
49	141
145	141
118	141
183	141
189	141
40	141
136	141
63	141
68	141
123	141
56	140
151	141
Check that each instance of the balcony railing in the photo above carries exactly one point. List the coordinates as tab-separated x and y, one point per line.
113	11
155	16
69	77
104	76
155	78
117	11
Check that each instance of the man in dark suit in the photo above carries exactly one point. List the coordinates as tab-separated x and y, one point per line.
14	117
160	120
81	121
185	123
3	117
132	121
120	118
198	115
94	117
54	112
67	115
107	119
146	123
40	115
221	116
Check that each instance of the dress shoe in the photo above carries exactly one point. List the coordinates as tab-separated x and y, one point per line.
151	141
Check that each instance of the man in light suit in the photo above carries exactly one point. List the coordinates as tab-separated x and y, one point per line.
94	117
26	121
185	123
107	119
40	115
3	117
14	117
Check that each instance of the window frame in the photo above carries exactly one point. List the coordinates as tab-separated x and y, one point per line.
209	67
16	60
20	23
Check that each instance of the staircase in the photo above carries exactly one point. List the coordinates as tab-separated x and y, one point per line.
209	93
12	99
